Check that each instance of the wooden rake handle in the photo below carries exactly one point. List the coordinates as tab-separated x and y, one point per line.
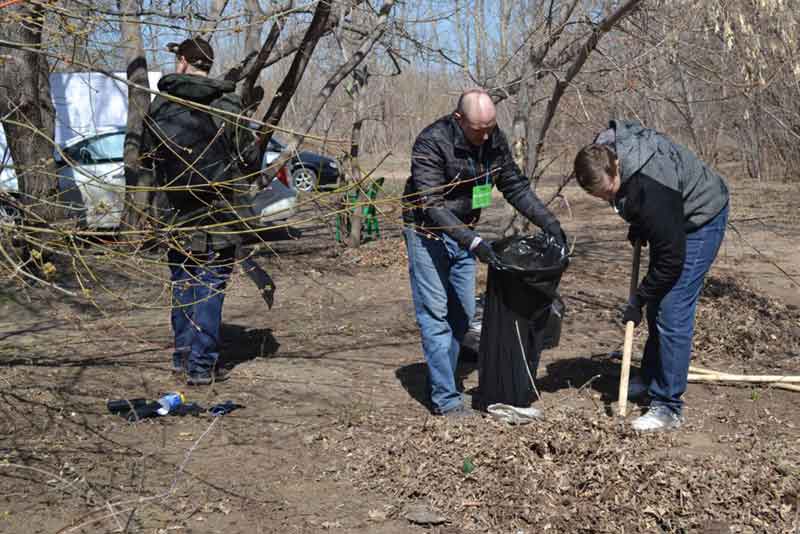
627	347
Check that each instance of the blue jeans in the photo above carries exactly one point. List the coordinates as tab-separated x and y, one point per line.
198	291
442	276
670	321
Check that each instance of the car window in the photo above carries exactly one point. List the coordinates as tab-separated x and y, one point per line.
274	146
98	149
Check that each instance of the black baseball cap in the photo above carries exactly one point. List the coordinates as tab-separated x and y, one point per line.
196	50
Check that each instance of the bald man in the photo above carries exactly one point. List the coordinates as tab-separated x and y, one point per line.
455	163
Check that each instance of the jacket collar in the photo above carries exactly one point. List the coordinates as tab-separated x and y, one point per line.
460	142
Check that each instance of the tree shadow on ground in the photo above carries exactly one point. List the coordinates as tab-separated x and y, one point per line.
414	379
241	344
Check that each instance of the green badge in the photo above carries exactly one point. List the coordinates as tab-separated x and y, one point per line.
481	196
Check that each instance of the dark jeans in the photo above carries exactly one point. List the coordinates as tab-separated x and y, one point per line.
198	291
442	276
665	364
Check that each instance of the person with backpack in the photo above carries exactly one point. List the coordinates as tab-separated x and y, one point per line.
677	205
202	154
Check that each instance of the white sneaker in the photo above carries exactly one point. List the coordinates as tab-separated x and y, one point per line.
657	418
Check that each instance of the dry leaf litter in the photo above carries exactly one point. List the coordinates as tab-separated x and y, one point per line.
579	472
737	325
576	473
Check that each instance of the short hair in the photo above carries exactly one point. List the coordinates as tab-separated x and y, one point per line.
196	50
460	103
593	164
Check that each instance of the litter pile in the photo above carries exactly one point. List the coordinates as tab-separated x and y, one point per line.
736	323
574	473
173	403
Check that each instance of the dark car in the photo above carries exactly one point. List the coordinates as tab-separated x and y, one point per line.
309	170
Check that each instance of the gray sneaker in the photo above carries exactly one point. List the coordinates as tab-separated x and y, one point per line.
205	378
460	413
657	418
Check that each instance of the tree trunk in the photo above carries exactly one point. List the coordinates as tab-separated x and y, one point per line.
252	32
519	138
137	179
356	219
481	64
27	121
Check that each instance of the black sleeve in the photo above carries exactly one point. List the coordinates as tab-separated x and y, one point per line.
517	191
240	137
658	212
430	181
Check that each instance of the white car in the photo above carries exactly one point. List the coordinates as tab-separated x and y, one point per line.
92	182
91	177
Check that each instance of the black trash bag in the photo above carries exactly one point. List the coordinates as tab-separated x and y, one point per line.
552	329
522	314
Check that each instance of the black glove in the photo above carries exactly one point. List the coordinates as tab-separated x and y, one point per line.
253	99
558	234
632	312
485	254
634	233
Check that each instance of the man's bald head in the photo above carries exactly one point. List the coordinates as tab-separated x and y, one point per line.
476	106
476	115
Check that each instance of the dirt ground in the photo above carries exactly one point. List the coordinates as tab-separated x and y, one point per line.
334	435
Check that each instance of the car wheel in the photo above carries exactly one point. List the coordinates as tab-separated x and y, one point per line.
304	179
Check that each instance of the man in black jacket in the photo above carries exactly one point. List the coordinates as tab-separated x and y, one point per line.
679	206
454	164
201	157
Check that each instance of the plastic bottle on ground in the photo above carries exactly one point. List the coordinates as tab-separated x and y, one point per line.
169	402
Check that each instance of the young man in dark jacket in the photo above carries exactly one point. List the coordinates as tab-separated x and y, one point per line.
679	206
454	164
201	157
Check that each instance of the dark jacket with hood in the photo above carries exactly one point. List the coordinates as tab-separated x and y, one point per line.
666	191
201	158
444	169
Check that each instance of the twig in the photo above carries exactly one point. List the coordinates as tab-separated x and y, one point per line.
141	500
525	361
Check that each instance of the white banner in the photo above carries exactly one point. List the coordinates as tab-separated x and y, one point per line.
84	102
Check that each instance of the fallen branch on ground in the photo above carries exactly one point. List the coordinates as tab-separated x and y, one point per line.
703	375
726	377
699	374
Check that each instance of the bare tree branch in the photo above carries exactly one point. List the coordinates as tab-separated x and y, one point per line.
283	95
218	8
261	60
561	85
293	41
341	73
